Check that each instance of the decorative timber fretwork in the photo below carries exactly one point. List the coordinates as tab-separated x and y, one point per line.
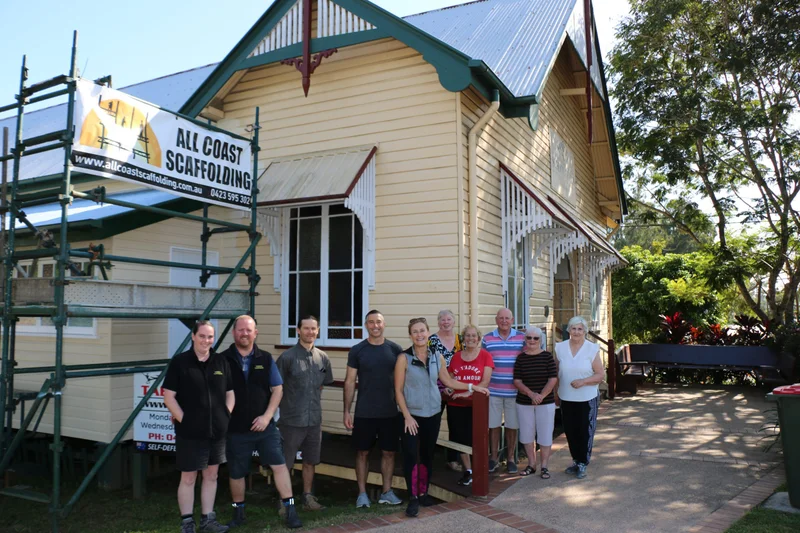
306	64
296	26
333	19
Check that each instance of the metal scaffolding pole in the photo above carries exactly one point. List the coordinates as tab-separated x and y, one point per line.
60	312
6	393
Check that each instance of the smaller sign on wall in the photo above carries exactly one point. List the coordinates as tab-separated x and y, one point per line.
121	137
562	167
154	422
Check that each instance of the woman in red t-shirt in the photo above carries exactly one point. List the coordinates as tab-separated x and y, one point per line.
473	365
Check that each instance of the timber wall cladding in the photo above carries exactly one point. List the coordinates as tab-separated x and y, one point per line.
85	400
527	154
133	340
381	92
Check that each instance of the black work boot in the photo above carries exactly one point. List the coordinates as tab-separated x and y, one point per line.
209	524
238	517
292	520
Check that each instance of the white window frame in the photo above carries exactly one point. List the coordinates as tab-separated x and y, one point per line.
323	339
520	322
43	330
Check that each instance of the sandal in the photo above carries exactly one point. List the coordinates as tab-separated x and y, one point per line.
545	473
529	470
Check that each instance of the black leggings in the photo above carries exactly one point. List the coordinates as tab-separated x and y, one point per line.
579	420
418	465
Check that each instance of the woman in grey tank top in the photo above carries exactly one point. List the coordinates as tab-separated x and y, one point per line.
417	393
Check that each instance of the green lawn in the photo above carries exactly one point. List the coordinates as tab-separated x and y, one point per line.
116	512
761	520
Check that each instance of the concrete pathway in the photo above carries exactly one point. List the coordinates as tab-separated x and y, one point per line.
670	459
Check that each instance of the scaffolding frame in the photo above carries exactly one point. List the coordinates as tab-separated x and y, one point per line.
13	203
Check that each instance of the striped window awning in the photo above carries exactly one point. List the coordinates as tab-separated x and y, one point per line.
346	175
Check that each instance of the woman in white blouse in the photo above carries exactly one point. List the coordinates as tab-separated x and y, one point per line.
580	370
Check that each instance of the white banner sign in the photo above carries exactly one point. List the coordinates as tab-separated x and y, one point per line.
121	137
154	423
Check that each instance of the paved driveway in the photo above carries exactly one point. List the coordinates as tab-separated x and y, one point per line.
662	461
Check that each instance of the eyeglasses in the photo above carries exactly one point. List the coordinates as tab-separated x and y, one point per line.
417	321
533	338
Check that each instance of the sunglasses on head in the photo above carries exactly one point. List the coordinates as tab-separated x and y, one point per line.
533	338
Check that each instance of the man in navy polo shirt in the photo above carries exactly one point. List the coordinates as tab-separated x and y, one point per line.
258	388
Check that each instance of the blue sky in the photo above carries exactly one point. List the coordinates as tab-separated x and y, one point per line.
145	39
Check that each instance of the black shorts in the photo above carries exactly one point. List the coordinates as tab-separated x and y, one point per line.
192	455
386	430
267	443
459	423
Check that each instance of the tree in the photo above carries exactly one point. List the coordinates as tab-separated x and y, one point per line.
708	98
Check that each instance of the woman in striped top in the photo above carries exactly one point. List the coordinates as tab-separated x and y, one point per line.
535	377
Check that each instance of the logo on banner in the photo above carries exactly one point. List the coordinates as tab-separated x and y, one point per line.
121	126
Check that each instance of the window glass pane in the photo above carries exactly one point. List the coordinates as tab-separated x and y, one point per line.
293	212
47	270
308	302
358	333
310	244
358	241
358	308
27	321
291	332
80	322
291	317
338	209
293	245
341	242
313	211
340	293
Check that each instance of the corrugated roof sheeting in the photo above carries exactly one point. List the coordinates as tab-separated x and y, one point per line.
169	92
517	39
49	214
327	174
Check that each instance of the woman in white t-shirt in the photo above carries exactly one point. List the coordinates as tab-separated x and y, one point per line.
580	370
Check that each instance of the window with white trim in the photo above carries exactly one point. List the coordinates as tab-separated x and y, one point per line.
518	282
324	273
76	326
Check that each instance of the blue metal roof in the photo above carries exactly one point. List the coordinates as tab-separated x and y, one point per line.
517	39
80	210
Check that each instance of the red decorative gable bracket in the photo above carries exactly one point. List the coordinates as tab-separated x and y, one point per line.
306	65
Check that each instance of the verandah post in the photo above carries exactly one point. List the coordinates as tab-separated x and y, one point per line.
480	445
612	369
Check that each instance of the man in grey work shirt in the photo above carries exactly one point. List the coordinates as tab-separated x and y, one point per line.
305	369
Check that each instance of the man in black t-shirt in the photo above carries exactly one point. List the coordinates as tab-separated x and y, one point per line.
198	391
372	362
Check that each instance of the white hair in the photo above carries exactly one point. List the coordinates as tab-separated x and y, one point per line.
444	312
533	330
574	321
